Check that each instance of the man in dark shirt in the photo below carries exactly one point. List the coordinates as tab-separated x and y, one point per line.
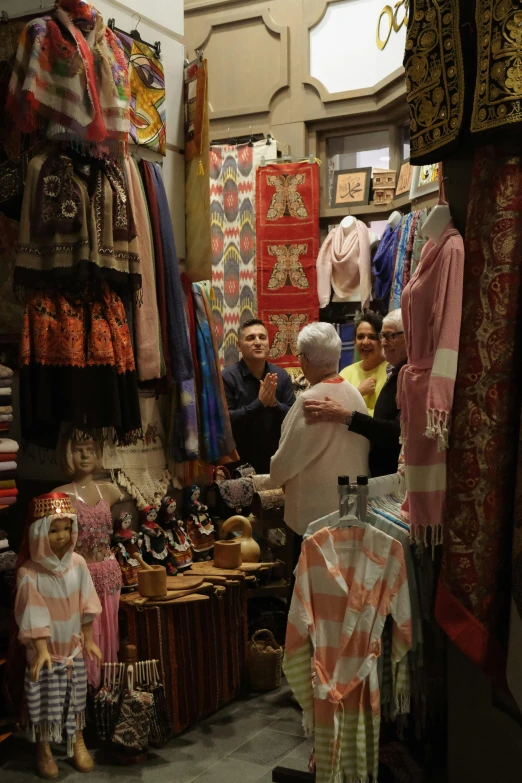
259	396
383	430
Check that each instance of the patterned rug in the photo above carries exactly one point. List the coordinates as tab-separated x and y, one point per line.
287	228
232	217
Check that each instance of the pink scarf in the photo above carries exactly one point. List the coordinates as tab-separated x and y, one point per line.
344	264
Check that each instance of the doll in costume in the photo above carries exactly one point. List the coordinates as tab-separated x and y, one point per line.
126	546
56	603
155	539
178	542
199	526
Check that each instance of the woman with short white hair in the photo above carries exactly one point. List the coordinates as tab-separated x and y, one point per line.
384	429
309	459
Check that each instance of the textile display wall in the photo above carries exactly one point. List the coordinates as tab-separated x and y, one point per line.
232	215
287	227
198	261
473	596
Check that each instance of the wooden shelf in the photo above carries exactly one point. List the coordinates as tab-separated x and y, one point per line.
366	209
278	587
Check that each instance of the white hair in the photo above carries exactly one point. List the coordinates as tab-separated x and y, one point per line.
321	345
394	318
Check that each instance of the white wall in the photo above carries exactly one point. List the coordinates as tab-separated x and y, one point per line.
162	20
343	51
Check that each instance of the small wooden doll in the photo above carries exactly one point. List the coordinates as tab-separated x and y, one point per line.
199	526
126	544
155	539
178	542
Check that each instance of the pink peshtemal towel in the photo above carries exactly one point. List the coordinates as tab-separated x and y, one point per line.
431	311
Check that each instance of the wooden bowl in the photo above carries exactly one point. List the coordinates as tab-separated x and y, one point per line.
152	582
227	554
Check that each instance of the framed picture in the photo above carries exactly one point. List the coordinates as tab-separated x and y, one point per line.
424	179
351	187
404	183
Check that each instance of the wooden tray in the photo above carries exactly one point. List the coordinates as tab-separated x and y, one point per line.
204	569
184	582
250	568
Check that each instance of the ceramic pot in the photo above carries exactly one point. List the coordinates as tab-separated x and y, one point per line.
250	551
152	582
227	554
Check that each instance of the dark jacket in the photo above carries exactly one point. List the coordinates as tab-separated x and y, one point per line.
383	430
256	429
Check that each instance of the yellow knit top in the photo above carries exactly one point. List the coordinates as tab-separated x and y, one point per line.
355	374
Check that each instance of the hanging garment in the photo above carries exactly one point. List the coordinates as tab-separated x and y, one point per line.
419	240
408	255
198	261
426	383
77	365
12	311
347	581
141	468
396	290
513	671
76	224
383	263
473	597
461	66
70	69
344	264
146	317
148	125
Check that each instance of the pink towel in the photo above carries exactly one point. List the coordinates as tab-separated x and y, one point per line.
344	264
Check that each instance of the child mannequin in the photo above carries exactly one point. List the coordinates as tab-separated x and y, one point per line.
79	460
56	604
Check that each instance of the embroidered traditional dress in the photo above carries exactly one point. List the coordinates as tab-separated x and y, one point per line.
462	67
348	580
54	599
431	313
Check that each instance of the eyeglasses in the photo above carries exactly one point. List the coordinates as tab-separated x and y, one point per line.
389	337
298	355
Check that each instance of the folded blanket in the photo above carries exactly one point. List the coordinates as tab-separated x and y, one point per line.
5	425
7	475
9	484
6	408
5	383
9	501
5	391
8	456
5	493
6	417
7	466
5	372
7	446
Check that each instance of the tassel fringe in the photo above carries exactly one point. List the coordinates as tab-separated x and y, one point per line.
124	481
53	732
427	535
438	428
308	724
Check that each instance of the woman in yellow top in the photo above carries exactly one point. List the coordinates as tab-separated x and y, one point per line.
369	375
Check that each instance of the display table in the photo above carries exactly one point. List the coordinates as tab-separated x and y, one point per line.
200	643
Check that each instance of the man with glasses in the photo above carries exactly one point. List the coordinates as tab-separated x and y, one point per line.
384	429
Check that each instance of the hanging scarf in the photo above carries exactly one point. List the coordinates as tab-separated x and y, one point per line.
383	263
399	262
70	69
211	415
344	264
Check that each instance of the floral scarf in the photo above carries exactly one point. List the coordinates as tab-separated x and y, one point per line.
70	69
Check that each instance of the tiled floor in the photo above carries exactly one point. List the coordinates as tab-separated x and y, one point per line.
241	743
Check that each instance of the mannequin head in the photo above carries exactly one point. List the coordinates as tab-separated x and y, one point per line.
79	457
60	531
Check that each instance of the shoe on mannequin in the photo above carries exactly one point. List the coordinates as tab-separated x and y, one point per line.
45	763
82	759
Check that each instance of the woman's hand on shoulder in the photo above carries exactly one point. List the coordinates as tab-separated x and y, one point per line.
325	410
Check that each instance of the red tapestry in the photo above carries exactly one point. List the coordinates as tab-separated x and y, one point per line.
287	230
473	598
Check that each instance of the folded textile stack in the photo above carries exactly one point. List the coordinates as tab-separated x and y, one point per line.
6	409
8	456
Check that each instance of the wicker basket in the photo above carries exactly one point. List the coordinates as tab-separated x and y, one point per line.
264	666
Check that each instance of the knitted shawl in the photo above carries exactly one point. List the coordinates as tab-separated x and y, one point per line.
71	70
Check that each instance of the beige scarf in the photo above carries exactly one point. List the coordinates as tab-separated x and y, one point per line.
344	264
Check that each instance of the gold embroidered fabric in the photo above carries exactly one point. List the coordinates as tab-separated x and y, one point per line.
498	89
434	76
